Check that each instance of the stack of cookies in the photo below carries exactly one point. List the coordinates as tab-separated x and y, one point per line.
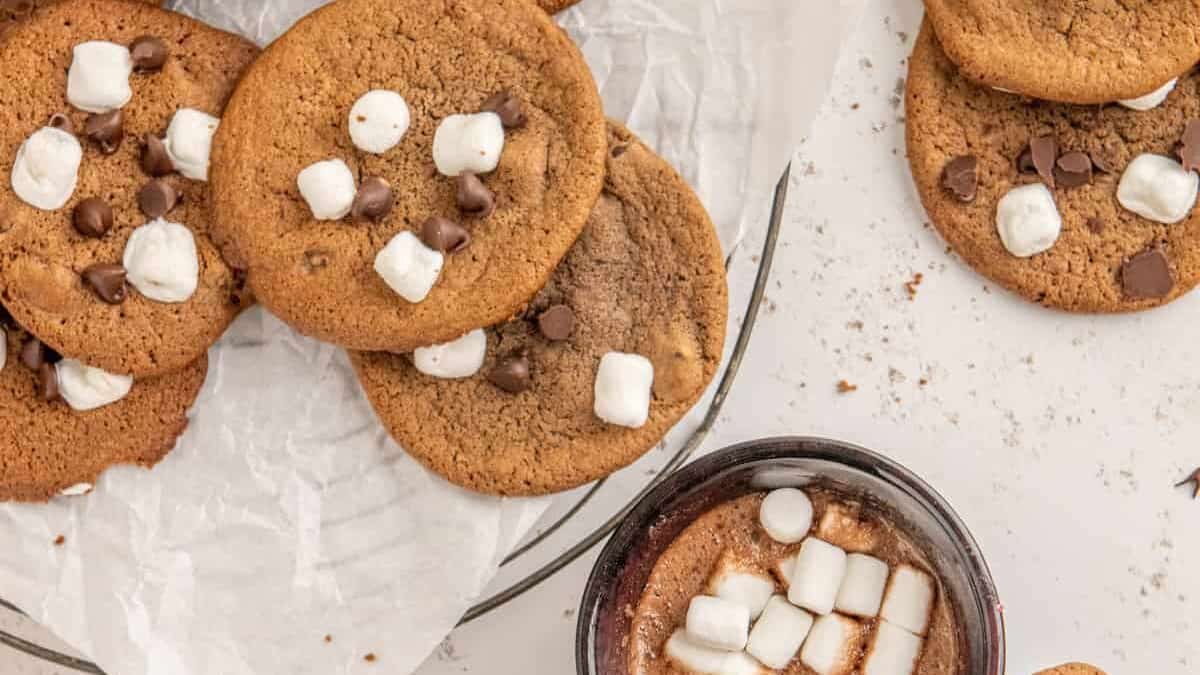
1055	146
111	283
530	296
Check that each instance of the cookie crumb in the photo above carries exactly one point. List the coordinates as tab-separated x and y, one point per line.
60	540
855	325
328	638
911	285
370	658
844	387
923	381
1193	479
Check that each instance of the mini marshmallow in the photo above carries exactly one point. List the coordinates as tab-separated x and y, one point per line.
908	600
741	663
622	389
161	262
1027	220
783	569
817	576
841	526
1157	187
738	582
468	143
778	633
378	120
455	359
1151	100
786	514
328	187
692	657
98	80
717	623
189	142
86	388
46	168
862	588
893	651
832	645
76	490
409	267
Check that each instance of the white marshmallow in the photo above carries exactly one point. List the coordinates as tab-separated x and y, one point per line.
409	267
1151	100
328	187
1028	220
817	576
717	623
1157	187
455	359
76	490
778	633
3	347
786	514
893	651
862	588
86	388
46	168
736	581
741	663
783	569
692	657
841	526
98	80
470	143
908	600
189	142
378	120
161	262
832	645
622	389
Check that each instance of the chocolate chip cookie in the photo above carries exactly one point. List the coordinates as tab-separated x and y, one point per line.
553	6
286	163
1075	51
1072	669
61	271
975	152
47	447
645	278
14	11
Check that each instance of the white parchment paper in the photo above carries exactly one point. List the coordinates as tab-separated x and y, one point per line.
285	514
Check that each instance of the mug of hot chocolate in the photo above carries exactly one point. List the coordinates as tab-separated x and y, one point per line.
799	556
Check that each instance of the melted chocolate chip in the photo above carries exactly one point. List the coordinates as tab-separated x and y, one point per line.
511	374
155	160
148	53
507	107
48	382
1147	275
556	323
106	130
373	200
157	198
93	217
108	282
473	197
1189	146
960	178
445	235
1073	169
34	353
61	122
1025	162
1044	152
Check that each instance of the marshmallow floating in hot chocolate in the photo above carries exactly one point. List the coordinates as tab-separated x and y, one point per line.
908	600
693	657
841	526
741	663
833	645
893	651
779	632
862	588
816	576
717	623
736	582
786	514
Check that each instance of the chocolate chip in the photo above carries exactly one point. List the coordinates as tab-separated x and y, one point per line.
473	197
108	281
93	217
511	374
1044	150
106	130
1101	162
62	122
1073	169
1095	224
373	200
1147	275
157	198
557	322
1189	146
48	382
507	107
445	235
148	52
618	150
959	177
33	353
155	160
1025	162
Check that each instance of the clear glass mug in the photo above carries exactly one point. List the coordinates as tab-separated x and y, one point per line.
620	574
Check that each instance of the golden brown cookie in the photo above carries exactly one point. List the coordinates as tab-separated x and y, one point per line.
553	6
444	57
43	254
646	277
48	447
1072	669
13	11
1076	51
1086	268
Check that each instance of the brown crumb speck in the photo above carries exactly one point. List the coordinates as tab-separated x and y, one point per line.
1193	479
328	638
60	540
923	381
370	658
911	286
844	387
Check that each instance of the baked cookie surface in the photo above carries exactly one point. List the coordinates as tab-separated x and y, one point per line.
47	447
43	255
646	277
553	6
1093	266
443	57
1072	669
1075	51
